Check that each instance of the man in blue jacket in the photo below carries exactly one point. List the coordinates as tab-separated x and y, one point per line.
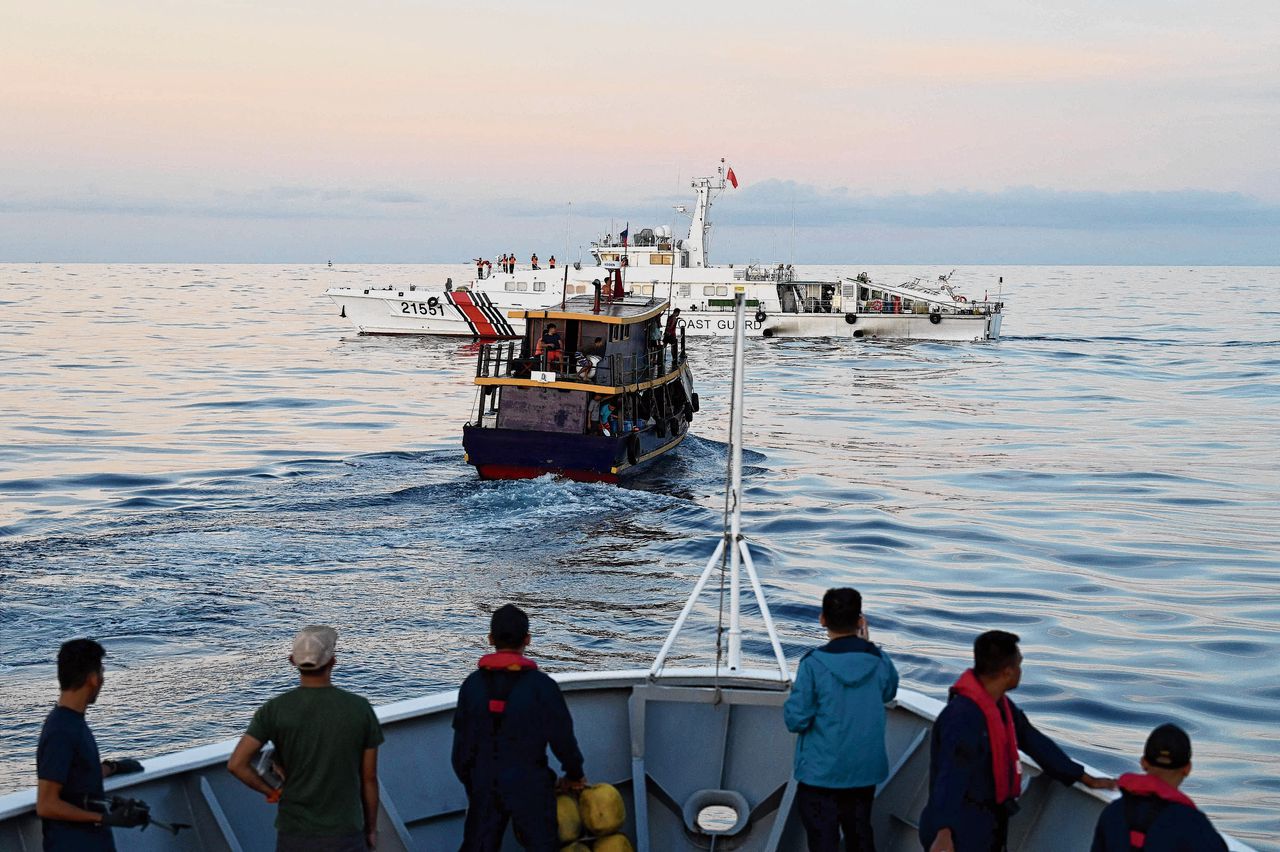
975	773
837	708
508	713
1152	813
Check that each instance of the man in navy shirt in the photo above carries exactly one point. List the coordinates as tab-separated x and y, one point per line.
67	765
975	774
508	713
1151	809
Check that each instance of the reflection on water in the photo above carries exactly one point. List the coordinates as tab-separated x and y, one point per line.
194	461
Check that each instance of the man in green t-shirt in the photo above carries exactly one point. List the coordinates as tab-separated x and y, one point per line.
326	745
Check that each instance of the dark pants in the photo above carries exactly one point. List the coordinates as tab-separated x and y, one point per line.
530	808
826	812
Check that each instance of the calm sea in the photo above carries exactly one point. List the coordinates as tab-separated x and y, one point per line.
194	461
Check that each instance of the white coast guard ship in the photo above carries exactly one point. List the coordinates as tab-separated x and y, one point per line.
655	264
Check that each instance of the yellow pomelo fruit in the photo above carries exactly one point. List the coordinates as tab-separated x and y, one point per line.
568	818
612	843
602	809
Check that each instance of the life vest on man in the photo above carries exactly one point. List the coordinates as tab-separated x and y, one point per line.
1145	798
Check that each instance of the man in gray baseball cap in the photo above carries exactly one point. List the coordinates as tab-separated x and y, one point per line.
326	745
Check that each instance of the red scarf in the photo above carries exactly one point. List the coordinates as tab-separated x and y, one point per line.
1149	785
1006	766
511	661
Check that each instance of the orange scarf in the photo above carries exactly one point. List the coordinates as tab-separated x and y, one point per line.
1006	767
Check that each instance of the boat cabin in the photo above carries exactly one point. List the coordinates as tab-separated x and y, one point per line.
594	368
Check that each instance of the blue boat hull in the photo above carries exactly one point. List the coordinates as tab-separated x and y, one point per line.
526	454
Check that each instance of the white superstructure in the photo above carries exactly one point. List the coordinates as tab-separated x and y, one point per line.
654	263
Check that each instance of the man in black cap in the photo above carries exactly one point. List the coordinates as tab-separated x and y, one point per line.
508	713
1151	813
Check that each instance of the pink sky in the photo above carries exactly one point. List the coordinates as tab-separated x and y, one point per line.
183	107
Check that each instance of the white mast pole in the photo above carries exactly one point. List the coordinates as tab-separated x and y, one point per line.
735	489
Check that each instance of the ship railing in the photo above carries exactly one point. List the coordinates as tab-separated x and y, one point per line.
888	306
754	272
508	360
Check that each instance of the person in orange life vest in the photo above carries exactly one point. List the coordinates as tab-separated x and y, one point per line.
508	713
1151	813
550	343
511	262
551	263
975	774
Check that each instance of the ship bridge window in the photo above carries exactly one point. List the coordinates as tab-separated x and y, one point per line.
722	290
510	286
660	259
522	286
539	286
709	290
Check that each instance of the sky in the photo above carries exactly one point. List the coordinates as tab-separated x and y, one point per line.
996	131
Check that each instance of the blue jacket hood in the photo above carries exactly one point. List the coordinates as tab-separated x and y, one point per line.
852	661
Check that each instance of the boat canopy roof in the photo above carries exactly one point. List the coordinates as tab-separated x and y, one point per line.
619	311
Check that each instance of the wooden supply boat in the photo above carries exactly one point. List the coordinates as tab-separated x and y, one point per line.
604	405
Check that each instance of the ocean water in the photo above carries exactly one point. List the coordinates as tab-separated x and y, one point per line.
196	460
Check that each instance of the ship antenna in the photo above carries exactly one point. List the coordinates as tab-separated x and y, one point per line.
732	548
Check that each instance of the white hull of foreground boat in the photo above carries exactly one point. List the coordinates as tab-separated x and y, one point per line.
675	737
462	313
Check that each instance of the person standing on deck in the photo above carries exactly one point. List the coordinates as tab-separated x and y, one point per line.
508	713
551	262
326	742
1151	809
669	336
837	708
68	770
975	774
533	260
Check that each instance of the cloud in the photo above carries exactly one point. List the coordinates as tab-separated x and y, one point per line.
779	203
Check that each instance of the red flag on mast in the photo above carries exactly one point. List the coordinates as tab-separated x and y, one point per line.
733	179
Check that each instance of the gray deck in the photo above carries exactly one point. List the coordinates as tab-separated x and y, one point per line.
673	738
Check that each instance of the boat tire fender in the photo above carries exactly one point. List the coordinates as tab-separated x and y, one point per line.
433	301
851	318
935	318
633	448
761	316
694	403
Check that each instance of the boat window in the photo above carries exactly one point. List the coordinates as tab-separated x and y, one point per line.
510	285
722	290
647	290
660	259
709	290
539	286
522	286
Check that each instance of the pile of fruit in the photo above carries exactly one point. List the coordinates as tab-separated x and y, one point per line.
590	822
